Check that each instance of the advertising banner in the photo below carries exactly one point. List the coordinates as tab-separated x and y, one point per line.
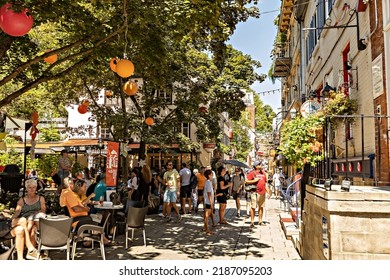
112	164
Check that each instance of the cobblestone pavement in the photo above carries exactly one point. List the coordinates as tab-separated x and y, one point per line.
185	240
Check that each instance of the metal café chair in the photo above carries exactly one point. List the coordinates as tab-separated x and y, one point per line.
121	216
92	233
136	220
6	255
54	234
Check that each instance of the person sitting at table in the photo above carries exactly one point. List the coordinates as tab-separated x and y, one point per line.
24	221
68	186
77	210
100	189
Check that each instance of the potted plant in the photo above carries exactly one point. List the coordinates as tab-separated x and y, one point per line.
340	104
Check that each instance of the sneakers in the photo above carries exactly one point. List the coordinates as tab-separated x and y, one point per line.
179	218
32	255
252	225
169	219
161	215
238	214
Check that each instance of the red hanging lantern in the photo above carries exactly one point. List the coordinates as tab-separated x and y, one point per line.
113	63
149	121
124	68
51	59
130	88
82	109
15	24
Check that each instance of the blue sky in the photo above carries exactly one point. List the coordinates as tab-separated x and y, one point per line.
255	37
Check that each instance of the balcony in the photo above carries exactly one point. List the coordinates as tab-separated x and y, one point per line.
282	65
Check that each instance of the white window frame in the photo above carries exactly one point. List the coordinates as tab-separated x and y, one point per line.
105	133
185	129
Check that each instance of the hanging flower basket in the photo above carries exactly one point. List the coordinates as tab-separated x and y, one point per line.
339	105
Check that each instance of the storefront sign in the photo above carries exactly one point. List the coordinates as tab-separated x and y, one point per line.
310	107
112	164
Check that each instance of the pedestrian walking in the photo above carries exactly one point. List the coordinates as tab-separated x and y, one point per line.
258	177
172	182
185	189
208	202
222	193
201	183
238	183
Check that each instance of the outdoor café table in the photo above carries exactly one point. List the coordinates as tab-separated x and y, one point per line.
111	208
49	217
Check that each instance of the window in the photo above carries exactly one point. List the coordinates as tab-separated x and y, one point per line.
347	75
167	96
312	36
328	8
320	17
105	133
185	129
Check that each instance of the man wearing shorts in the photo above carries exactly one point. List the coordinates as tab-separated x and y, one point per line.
172	182
185	188
201	183
258	177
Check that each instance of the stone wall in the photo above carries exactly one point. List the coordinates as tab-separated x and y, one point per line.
357	228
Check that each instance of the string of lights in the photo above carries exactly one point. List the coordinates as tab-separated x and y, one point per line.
268	92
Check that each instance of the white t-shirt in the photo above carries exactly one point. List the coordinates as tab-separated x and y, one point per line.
277	179
208	188
133	183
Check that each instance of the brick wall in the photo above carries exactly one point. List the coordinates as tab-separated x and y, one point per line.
377	48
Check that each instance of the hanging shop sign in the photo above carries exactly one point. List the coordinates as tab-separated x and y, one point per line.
310	107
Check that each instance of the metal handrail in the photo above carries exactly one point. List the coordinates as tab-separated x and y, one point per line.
287	195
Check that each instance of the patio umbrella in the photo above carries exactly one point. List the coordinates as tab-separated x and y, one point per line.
235	163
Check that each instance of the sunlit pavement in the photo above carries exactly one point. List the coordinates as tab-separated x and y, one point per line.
185	240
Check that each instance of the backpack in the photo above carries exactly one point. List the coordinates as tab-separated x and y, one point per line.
193	181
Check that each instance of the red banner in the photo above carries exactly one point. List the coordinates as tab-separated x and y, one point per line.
112	164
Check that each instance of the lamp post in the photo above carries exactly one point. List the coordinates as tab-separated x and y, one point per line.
100	145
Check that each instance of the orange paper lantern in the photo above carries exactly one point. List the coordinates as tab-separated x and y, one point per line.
109	93
130	88
82	109
113	63
34	118
124	68
85	103
149	121
51	59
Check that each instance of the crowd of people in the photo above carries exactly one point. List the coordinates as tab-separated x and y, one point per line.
175	188
190	189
